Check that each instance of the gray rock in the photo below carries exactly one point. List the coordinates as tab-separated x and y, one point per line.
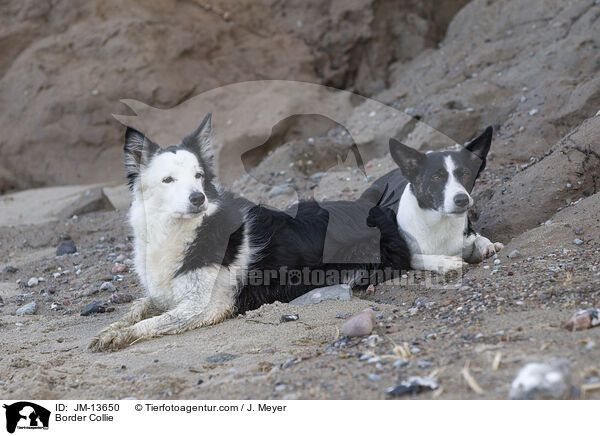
9	269
537	381
95	307
514	254
220	357
108	286
33	282
577	241
27	309
284	189
335	292
66	247
424	363
92	200
318	176
413	385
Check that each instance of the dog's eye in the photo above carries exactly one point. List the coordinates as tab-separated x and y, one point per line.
199	175
168	180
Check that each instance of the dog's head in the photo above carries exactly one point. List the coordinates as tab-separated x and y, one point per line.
443	180
178	180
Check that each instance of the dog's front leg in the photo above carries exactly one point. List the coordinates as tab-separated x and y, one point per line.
140	309
477	248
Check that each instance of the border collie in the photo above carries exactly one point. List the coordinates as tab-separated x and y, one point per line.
203	254
430	196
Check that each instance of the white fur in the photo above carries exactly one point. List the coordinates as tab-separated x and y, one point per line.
453	187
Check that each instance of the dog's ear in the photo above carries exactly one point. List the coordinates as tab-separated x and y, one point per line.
138	150
201	139
407	158
480	146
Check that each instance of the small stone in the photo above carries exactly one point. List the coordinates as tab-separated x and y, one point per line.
584	319
360	324
27	309
66	247
536	381
108	286
400	363
577	241
95	307
413	385
374	377
532	112
285	189
119	268
220	358
514	254
424	363
120	298
289	318
318	176
33	282
9	270
335	292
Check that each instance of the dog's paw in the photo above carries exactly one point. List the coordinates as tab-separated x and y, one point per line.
111	339
483	248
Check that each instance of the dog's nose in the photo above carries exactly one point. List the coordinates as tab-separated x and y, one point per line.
461	200
197	198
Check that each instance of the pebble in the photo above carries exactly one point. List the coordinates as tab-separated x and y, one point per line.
27	309
9	270
533	112
514	254
284	189
584	319
400	363
108	286
414	385
66	247
119	268
537	381
95	307
335	292
120	298
360	324
424	363
220	358
288	318
577	241
374	377
33	282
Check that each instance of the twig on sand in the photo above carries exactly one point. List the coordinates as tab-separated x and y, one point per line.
497	361
470	379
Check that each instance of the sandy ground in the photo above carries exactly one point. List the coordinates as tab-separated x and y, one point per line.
513	309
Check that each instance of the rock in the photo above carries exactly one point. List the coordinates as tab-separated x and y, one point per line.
514	254
335	292
584	319
27	309
413	385
374	377
108	286
120	298
288	318
577	241
1	302
360	324
92	200
424	363
66	247
9	270
95	307
119	268
33	282
284	189
220	358
538	381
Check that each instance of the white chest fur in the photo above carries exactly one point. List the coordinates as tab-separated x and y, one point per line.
428	231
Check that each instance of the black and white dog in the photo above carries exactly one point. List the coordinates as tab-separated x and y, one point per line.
203	254
430	196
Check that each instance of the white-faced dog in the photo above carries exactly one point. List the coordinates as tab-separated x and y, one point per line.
430	195
202	254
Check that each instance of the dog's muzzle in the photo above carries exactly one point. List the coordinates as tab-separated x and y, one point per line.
197	201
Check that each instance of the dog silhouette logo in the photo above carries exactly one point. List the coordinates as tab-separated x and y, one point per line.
26	415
